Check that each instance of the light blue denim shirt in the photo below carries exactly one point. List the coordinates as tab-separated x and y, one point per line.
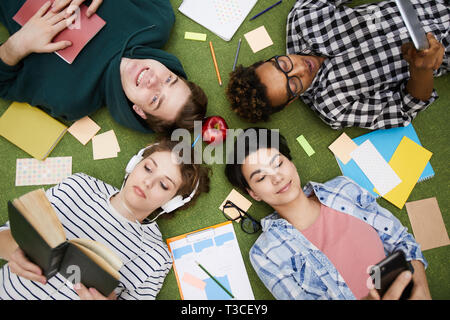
291	267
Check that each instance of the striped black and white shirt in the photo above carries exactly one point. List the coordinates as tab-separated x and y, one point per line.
84	209
363	80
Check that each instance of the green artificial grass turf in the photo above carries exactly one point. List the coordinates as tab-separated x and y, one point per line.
431	126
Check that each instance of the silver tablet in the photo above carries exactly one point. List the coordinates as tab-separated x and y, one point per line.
413	24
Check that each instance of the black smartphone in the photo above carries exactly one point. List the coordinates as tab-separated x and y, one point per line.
385	272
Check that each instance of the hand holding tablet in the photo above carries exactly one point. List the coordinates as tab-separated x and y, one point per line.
413	24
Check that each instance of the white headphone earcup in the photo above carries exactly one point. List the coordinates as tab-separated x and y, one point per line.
133	163
173	204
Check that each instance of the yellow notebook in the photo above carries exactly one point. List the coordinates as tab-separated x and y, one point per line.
31	129
408	161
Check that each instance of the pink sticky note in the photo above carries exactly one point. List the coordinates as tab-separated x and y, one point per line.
194	281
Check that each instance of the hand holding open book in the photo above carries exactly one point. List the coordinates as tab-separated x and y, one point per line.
38	232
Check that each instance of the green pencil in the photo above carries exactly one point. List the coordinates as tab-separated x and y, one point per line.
215	280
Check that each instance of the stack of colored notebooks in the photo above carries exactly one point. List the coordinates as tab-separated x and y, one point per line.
402	149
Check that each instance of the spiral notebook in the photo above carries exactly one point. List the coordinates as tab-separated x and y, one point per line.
222	17
408	161
386	142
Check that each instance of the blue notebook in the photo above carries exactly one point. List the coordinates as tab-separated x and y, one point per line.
386	142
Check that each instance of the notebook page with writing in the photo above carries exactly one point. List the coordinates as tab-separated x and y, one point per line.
408	161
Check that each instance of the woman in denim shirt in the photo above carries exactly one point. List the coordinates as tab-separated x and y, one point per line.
321	240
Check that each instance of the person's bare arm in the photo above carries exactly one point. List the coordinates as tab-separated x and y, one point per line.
421	67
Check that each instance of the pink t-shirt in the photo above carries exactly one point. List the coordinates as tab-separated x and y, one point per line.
349	243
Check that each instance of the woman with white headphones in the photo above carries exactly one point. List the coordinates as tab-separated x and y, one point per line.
89	208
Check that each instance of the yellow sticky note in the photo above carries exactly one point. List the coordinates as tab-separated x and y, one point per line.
195	36
305	145
408	161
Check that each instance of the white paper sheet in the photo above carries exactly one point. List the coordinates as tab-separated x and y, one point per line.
377	170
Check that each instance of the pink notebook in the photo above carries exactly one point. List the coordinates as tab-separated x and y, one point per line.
82	30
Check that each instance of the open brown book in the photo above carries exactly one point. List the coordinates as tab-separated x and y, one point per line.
39	233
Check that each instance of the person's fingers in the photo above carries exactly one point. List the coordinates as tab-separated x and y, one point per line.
97	295
73	7
373	295
82	292
42	10
21	272
52	47
440	58
93	7
63	24
406	47
22	260
59	4
56	18
396	289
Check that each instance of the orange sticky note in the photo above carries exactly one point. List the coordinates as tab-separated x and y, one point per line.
239	200
84	129
105	145
427	223
193	281
342	147
258	39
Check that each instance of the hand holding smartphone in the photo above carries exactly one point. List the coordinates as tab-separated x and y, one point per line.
385	272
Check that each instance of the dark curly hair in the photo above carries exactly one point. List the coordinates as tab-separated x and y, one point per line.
248	96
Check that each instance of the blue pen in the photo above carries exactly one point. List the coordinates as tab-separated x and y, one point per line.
237	54
265	10
196	139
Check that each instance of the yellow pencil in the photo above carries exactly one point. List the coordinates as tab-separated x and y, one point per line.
215	63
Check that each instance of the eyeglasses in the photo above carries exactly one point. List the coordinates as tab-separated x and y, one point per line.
294	84
248	224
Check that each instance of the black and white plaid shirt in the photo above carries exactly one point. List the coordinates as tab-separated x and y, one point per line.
363	81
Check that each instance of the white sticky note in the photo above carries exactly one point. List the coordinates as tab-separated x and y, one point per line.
373	165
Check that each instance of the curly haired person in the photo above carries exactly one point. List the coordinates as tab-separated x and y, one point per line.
351	66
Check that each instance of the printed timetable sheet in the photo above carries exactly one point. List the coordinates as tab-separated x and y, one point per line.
217	250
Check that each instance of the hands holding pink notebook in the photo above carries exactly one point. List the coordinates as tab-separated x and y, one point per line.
79	33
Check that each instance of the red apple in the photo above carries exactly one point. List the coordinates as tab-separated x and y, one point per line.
214	130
